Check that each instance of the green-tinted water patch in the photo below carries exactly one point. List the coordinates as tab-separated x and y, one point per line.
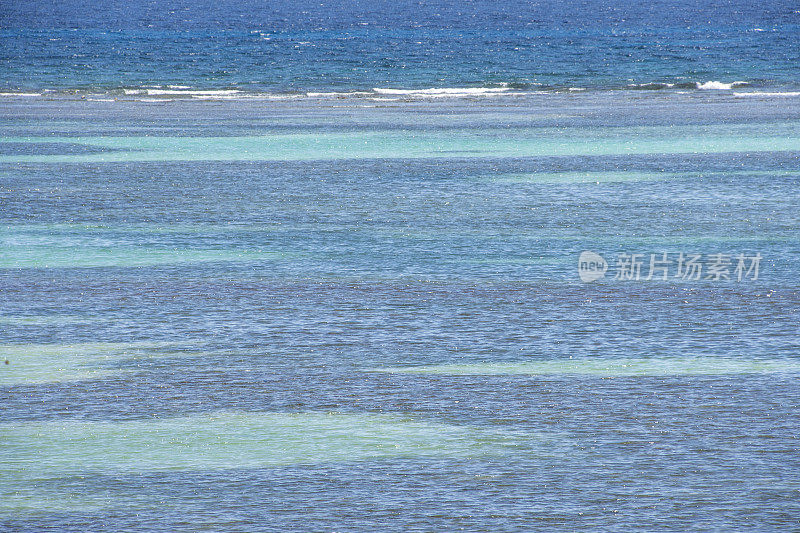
423	144
603	367
29	364
49	320
124	256
233	440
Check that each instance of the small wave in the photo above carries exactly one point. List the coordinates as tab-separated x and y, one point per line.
448	91
340	94
519	85
720	86
254	96
652	86
178	90
182	92
494	90
703	86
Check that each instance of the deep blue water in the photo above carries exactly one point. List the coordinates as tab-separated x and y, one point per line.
347	46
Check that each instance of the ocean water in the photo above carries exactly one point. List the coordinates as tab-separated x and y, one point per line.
321	266
299	47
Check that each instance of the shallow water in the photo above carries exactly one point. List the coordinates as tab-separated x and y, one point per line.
611	367
255	319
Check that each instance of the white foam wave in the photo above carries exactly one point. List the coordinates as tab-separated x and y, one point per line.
147	93
447	91
246	96
651	85
181	92
720	86
337	94
280	96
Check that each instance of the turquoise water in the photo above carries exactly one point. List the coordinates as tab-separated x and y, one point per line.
502	142
347	315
